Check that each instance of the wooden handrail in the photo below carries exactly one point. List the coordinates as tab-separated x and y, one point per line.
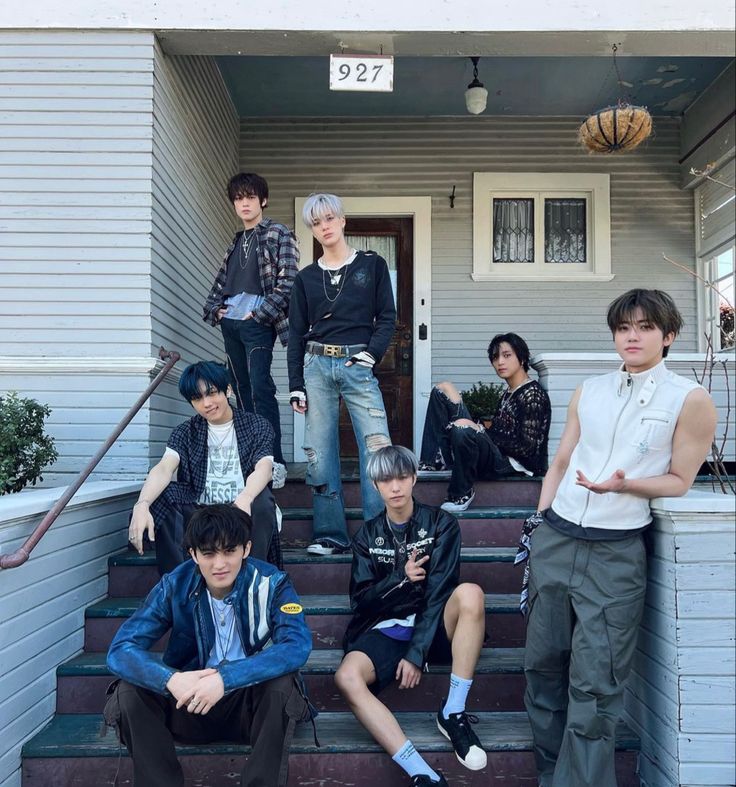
17	558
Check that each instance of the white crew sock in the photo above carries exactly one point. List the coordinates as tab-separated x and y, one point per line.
408	758
459	688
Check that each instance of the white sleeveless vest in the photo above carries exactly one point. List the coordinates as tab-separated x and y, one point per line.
626	423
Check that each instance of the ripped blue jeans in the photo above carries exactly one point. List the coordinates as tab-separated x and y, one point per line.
326	380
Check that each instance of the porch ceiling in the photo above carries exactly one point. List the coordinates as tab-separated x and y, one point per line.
434	86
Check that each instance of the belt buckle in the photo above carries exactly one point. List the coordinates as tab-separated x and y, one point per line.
332	350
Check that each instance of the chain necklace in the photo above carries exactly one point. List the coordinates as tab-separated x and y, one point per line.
221	611
246	246
337	277
400	544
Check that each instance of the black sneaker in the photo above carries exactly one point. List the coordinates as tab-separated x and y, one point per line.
454	505
324	547
422	780
458	731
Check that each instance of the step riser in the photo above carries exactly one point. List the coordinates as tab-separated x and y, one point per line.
504	769
475	532
489	693
320	578
504	631
492	493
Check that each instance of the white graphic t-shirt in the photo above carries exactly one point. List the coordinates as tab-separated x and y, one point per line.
224	475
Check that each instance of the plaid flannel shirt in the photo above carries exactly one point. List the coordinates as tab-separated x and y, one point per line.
278	259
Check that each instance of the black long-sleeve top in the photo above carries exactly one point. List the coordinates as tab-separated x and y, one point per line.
362	313
520	426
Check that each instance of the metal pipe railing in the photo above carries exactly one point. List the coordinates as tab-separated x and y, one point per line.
17	558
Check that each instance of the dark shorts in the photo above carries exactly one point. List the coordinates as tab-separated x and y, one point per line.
386	653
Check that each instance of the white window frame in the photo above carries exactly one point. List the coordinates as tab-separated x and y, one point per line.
709	301
594	188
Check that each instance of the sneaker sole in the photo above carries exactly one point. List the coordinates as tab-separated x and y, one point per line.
462	762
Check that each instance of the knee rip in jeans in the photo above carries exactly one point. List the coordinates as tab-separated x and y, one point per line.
373	442
376	412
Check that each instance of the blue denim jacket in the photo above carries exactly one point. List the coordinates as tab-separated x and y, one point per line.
269	620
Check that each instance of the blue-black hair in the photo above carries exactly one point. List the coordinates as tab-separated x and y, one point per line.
214	375
220	526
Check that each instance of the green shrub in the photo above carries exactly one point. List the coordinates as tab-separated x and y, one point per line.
482	399
24	448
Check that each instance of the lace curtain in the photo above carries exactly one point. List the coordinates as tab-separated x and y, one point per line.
564	230
513	230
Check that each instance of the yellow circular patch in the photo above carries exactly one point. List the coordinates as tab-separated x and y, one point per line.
291	609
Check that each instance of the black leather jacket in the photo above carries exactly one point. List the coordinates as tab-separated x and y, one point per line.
379	588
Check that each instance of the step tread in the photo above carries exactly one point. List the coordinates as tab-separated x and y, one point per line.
82	735
299	556
328	604
321	662
477	512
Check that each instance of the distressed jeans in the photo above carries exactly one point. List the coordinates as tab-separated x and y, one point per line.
441	412
326	380
249	350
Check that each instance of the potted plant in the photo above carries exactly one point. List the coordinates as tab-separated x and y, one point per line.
24	448
482	401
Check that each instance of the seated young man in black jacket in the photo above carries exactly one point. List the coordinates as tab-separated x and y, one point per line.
516	442
409	608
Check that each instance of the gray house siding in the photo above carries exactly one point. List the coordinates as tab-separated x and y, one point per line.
195	144
650	215
75	196
113	159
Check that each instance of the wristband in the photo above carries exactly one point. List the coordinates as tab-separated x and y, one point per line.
297	397
363	358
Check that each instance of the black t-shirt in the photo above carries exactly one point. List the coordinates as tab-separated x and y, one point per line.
242	270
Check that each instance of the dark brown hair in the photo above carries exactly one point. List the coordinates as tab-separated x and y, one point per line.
656	306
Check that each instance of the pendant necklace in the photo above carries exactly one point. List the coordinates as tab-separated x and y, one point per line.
337	277
221	611
246	246
400	544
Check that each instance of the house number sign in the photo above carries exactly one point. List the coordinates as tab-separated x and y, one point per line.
370	73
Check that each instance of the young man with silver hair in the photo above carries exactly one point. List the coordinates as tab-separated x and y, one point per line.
341	319
409	609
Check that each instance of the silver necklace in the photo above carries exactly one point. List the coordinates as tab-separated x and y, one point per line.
400	544
245	247
337	277
222	613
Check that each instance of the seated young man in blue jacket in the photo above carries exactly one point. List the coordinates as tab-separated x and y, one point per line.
229	672
409	609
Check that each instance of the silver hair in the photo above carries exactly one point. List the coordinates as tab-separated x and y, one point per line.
318	206
393	461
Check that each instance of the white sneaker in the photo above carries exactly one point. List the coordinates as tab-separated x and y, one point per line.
323	547
278	475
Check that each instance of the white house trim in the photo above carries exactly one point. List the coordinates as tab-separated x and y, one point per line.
420	209
596	188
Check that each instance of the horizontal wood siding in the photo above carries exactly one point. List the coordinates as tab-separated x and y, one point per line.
42	610
195	152
359	157
680	697
195	149
75	197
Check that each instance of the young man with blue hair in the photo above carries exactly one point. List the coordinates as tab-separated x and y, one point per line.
220	455
229	671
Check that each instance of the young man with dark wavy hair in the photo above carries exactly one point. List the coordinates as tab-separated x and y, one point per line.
515	443
230	669
631	435
249	300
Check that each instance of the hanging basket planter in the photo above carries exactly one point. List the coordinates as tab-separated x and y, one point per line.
616	129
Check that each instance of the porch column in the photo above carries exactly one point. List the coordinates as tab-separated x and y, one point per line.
680	697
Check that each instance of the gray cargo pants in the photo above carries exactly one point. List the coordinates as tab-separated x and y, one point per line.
586	601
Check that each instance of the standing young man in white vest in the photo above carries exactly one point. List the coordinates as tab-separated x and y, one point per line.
631	435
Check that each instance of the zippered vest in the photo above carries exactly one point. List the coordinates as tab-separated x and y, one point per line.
626	423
